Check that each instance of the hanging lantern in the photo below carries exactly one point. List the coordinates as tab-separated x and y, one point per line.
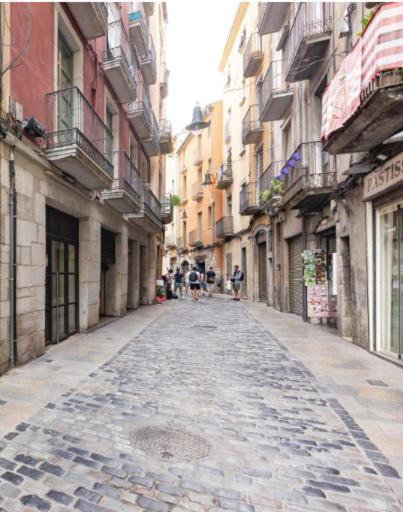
296	156
291	163
284	171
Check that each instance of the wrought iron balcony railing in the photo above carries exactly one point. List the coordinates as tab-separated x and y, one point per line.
307	170
307	40
276	94
164	74
248	199
129	178
266	180
73	120
224	227
197	191
252	128
227	131
224	176
152	206
195	238
165	137
166	209
253	55
119	62
271	16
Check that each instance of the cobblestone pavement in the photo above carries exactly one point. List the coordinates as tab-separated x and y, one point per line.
270	435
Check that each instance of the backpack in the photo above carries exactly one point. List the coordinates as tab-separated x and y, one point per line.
193	277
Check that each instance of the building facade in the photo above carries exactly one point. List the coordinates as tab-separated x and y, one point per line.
83	143
199	160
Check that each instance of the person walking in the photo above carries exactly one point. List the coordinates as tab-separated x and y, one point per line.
210	278
168	281
179	279
194	283
236	279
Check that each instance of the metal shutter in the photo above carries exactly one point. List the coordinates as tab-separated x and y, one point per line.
296	275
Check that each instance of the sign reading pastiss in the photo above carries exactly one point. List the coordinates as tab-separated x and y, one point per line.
388	176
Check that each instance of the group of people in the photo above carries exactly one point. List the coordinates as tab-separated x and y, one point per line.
179	283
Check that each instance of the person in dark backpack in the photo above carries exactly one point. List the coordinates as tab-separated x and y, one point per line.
210	277
236	279
179	279
194	282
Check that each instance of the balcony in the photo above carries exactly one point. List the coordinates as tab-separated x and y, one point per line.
139	32
227	132
181	244
248	199
79	143
149	218
142	118
197	191
252	55
148	64
271	16
224	227
183	195
195	238
369	83
91	18
165	138
252	128
171	242
126	193
224	176
164	77
266	189
197	156
276	95
308	182
307	41
166	210
118	62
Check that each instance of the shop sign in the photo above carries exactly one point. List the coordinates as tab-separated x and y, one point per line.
387	176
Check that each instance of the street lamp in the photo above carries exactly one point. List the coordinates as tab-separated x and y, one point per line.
197	120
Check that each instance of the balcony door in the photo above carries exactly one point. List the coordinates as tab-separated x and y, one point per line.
390	280
65	82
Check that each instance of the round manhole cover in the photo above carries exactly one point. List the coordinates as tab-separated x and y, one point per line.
170	445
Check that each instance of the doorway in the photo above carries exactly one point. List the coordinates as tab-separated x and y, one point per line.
262	262
390	279
107	284
61	288
244	269
295	275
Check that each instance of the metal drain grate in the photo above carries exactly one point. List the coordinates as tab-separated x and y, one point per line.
204	326
170	445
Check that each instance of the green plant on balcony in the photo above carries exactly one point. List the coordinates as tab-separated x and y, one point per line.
277	187
264	196
175	200
365	22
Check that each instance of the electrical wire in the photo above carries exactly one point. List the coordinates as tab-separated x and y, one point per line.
27	44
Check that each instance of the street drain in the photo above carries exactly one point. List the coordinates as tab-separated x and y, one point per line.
204	326
170	445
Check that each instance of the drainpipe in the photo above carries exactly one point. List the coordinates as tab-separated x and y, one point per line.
304	290
12	262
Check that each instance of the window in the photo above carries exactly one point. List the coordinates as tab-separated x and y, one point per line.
209	166
259	162
65	81
200	175
200	224
184	233
287	142
133	151
184	185
229	205
109	125
210	223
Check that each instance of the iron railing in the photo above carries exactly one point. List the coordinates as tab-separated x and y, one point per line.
310	20
164	74
253	50
151	204
143	104
267	177
273	83
129	178
309	170
166	208
248	197
165	129
195	237
224	175
73	120
224	227
170	241
250	122
197	191
118	46
103	8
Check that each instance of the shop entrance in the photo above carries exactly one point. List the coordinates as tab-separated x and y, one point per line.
295	275
389	270
328	244
108	260
262	265
61	308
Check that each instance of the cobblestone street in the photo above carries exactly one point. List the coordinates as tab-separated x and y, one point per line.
203	410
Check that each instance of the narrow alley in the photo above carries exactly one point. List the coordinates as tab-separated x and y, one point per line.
203	409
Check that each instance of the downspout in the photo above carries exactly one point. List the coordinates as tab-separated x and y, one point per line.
304	289
12	262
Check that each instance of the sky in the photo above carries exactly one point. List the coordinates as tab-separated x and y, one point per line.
196	34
